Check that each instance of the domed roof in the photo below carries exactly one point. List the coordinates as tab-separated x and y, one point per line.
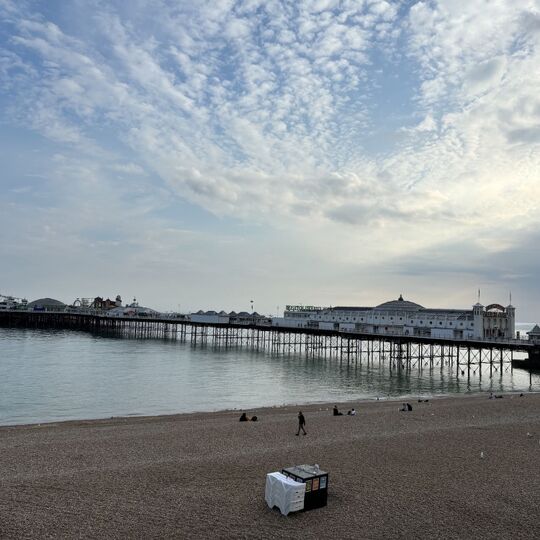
46	302
400	304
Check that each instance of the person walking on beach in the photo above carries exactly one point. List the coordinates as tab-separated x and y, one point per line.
301	423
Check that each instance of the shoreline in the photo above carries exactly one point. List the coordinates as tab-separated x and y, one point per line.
454	467
264	408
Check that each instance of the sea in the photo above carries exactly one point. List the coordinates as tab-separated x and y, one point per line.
51	376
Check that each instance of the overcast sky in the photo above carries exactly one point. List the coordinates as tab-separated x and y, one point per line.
202	154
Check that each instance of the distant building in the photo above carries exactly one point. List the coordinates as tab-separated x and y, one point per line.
8	303
46	304
131	310
100	303
402	317
243	317
209	317
534	334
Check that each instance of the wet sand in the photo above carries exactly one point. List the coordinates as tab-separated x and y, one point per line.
392	474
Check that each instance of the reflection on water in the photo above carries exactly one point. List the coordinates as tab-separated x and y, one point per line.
58	375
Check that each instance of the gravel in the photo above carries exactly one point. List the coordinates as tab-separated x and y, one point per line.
417	474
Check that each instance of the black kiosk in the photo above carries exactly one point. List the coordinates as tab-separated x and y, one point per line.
316	484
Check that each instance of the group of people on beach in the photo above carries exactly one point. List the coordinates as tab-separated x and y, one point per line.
301	418
245	418
301	421
335	411
351	412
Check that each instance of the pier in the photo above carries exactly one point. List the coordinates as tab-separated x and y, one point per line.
400	352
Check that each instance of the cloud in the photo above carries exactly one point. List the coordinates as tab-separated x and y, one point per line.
526	135
128	168
426	125
272	113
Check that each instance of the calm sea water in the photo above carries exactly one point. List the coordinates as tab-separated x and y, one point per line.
60	375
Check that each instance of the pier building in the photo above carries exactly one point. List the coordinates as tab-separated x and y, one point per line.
46	304
10	302
213	317
534	335
403	317
131	310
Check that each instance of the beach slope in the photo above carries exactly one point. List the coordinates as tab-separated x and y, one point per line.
462	467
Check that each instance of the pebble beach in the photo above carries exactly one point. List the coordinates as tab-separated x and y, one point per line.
458	467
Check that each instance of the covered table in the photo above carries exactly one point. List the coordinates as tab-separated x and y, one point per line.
316	482
284	492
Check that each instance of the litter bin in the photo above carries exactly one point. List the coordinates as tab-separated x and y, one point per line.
316	484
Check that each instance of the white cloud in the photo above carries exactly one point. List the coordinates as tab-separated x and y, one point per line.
237	29
426	125
128	168
316	6
260	110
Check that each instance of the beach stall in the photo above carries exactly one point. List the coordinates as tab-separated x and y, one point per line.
316	482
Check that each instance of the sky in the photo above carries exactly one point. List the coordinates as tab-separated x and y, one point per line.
203	154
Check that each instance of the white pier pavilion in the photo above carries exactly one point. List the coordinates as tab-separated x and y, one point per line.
403	317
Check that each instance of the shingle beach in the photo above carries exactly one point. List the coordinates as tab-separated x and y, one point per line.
463	467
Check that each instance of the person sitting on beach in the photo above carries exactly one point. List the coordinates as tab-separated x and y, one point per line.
244	417
406	407
336	412
254	418
352	412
